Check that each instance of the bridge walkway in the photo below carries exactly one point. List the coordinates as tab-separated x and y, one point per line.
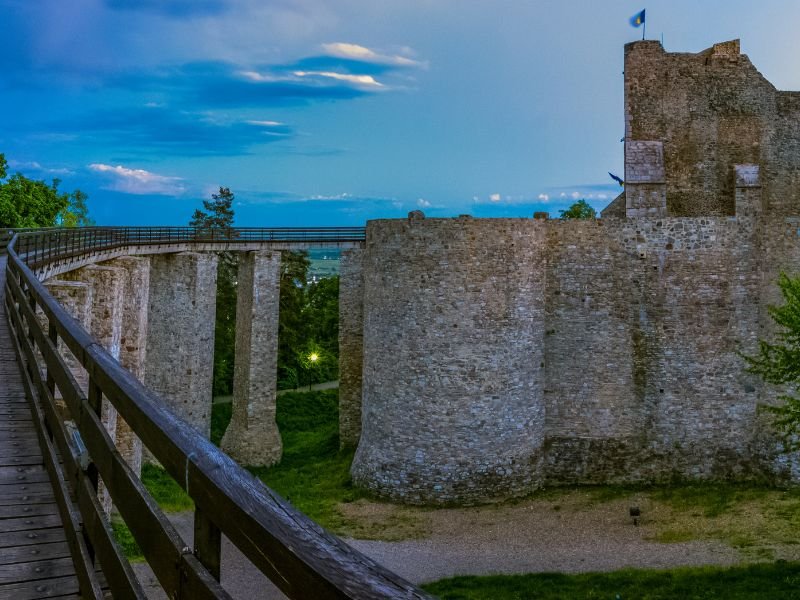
35	559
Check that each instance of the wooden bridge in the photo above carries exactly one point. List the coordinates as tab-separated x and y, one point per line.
55	539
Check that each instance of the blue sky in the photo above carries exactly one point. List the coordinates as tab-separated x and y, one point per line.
332	112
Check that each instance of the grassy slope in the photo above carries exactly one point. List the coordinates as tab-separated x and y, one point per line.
777	581
314	475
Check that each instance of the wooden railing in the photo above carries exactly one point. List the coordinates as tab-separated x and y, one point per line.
299	556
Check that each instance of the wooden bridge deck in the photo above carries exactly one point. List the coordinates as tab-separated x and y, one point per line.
35	560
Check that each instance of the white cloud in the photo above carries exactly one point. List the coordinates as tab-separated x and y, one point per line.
422	203
35	166
575	195
356	52
494	197
138	181
266	123
365	80
544	197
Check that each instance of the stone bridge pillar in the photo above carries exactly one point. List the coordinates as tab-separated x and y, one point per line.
252	437
351	345
179	361
76	298
108	286
136	282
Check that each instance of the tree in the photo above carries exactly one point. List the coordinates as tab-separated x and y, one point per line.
779	363
291	326
217	216
579	210
31	203
217	213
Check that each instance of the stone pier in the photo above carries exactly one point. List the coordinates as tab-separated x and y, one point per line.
76	298
179	362
252	437
351	345
136	281
108	286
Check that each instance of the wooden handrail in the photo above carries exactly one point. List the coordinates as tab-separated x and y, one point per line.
300	557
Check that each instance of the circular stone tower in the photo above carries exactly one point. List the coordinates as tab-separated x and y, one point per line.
453	406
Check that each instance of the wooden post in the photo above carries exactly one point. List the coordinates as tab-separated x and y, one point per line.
207	543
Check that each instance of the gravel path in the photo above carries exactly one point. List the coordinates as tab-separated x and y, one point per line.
526	538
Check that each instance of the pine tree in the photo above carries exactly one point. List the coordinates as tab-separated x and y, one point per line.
217	214
779	363
216	220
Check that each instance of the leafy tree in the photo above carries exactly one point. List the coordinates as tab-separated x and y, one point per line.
579	210
31	203
217	217
76	214
217	213
291	326
779	363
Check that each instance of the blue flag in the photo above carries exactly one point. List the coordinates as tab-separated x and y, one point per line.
637	20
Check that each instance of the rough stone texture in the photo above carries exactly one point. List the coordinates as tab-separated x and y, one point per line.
453	392
252	438
504	354
76	298
351	345
180	334
711	110
133	337
108	287
629	328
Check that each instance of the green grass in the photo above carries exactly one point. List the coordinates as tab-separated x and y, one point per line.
776	581
124	538
162	487
220	417
314	475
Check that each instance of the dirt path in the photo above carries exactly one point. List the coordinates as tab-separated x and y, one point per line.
532	536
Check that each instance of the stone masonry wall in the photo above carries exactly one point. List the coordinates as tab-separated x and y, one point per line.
351	345
453	406
252	438
710	110
504	354
180	337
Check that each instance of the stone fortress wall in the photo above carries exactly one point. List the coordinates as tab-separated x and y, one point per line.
502	355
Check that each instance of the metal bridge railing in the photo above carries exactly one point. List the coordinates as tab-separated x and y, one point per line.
41	246
299	556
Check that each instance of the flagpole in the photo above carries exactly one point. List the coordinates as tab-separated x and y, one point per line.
644	28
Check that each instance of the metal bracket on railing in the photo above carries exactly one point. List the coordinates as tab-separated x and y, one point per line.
78	447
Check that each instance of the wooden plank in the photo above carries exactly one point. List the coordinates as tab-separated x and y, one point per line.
9	491
12	539
24	474
35	570
29	523
27	510
34	590
23	497
30	553
15	461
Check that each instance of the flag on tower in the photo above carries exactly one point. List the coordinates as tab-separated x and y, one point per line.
637	20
